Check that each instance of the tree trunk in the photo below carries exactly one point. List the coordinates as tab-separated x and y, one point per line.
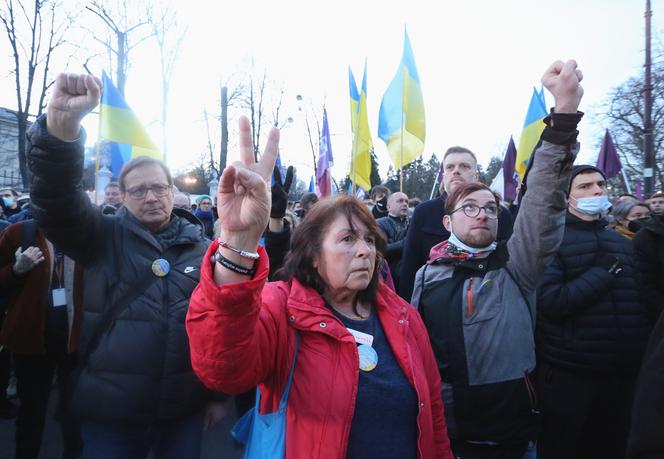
122	63
22	162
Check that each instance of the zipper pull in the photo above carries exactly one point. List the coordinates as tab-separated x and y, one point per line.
470	297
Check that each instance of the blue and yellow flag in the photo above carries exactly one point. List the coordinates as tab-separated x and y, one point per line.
401	120
126	136
532	130
360	161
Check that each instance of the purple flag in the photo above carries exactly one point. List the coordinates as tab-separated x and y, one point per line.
608	161
638	190
509	174
325	161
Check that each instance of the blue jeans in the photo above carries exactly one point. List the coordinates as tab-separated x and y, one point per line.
177	439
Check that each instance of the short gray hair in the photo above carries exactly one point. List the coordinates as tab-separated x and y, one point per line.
141	161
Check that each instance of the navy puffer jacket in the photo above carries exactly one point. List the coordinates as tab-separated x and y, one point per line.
587	318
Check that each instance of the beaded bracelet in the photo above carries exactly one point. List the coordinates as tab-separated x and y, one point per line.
242	253
228	264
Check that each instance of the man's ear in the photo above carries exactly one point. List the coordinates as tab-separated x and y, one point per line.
447	223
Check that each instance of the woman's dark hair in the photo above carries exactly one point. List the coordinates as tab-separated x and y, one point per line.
308	236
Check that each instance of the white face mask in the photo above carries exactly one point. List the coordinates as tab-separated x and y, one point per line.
593	206
455	241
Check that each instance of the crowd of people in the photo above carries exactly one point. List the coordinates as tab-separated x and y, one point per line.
460	327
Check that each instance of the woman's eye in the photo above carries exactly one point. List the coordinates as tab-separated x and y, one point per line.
347	238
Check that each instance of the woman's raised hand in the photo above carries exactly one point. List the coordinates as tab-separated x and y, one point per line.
243	196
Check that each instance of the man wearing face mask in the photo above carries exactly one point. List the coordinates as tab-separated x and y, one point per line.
379	196
425	231
476	295
9	201
591	331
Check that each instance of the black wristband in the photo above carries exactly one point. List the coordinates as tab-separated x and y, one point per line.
561	127
228	264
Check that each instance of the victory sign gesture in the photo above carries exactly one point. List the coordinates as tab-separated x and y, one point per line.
243	196
74	96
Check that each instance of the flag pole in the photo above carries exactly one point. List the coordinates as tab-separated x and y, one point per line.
629	189
433	188
401	160
97	154
404	96
356	133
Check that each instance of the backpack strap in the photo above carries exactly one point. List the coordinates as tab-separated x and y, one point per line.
122	302
284	396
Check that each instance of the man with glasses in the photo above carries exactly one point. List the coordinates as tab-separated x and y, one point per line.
135	389
476	296
425	231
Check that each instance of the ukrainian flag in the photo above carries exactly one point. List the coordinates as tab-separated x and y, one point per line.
532	130
401	120
126	136
360	162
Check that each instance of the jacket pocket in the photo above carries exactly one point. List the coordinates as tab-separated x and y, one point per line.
481	300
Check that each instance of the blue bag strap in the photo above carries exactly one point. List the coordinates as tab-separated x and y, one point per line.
284	396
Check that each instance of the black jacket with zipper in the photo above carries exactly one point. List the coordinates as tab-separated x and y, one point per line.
587	318
140	371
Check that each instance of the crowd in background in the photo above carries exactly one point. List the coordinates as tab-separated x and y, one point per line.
483	328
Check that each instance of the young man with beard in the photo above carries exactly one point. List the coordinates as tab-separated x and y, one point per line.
425	231
476	296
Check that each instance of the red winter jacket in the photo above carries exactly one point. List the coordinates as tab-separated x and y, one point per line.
242	335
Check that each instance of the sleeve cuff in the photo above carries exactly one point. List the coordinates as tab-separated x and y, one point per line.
561	127
40	137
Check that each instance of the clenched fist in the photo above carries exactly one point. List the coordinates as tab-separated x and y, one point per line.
563	79
74	96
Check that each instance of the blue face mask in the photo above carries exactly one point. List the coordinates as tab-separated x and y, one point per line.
8	201
455	241
593	206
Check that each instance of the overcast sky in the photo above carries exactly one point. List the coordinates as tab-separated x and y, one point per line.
478	62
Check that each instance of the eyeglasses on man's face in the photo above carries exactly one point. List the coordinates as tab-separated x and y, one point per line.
473	210
158	189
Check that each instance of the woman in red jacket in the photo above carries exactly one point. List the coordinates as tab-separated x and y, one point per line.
366	382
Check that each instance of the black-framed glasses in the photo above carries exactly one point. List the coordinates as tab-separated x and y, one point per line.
473	210
158	189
